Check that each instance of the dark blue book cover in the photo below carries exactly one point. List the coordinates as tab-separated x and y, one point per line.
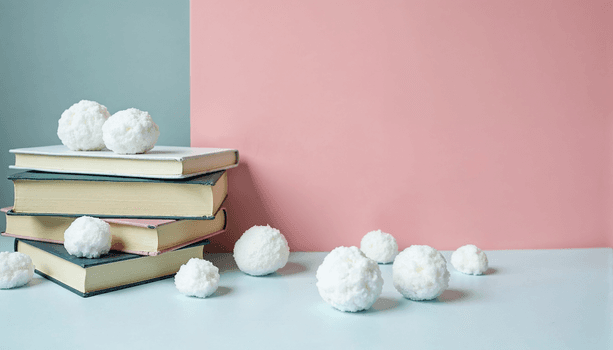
207	180
59	251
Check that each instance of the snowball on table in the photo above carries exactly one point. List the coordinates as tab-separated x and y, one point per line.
130	131
470	260
88	237
80	126
379	246
261	250
16	269
348	280
198	278
420	273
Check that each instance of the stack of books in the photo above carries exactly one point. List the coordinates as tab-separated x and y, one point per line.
162	207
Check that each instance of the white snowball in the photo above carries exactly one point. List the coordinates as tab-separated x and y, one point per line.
470	260
16	269
261	250
420	273
80	126
130	131
198	278
379	246
88	237
348	280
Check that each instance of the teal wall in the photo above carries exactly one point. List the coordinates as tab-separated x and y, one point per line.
121	53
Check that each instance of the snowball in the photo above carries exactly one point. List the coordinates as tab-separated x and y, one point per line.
198	278
16	269
80	126
261	250
379	246
420	273
348	280
88	237
470	260
130	131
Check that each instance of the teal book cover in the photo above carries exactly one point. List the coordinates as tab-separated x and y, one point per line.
111	257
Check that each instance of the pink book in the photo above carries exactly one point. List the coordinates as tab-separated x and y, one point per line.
136	236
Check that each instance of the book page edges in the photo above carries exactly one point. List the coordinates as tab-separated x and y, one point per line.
138	270
129	167
51	265
95	280
99	199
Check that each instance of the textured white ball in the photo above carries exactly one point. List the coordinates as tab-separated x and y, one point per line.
348	280
197	278
16	269
261	250
130	131
88	237
470	260
80	126
420	273
379	246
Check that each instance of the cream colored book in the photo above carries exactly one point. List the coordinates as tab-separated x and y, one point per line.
113	196
110	272
136	236
163	162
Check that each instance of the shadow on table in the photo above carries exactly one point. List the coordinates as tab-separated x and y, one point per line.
224	262
33	283
383	304
451	295
291	268
221	291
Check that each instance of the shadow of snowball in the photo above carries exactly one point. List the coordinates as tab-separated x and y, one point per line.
221	291
490	271
291	268
383	304
451	295
33	282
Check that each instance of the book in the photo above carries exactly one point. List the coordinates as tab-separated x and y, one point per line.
38	193
169	162
112	271
136	236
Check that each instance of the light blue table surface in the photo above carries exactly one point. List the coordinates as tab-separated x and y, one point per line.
530	299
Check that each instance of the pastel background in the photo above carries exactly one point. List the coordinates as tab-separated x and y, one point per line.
120	53
441	122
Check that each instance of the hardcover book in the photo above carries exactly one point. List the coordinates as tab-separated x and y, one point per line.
168	162
112	271
38	193
136	236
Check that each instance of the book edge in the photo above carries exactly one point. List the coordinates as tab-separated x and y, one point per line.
101	291
97	154
42	175
136	252
144	176
201	243
12	212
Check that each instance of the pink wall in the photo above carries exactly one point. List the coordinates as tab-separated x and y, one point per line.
440	122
